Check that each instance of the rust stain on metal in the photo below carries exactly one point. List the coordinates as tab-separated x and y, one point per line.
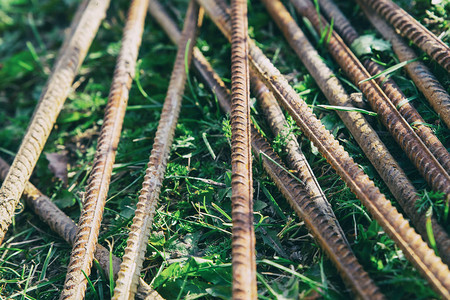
367	138
391	89
99	179
243	235
413	30
417	152
60	223
130	269
70	57
424	79
381	209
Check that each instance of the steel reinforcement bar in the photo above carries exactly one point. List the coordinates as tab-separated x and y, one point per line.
422	76
72	54
133	258
367	138
98	183
381	209
391	89
402	132
323	226
60	223
243	233
413	30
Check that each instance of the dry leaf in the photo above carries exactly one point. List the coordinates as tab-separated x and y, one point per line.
58	165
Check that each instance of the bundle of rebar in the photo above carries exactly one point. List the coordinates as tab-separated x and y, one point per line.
250	68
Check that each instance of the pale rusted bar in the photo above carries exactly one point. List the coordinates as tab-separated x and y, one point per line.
99	179
390	87
133	258
60	223
50	103
381	209
323	225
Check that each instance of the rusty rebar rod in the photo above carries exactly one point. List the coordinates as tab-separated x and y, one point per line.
413	30
389	170
320	222
133	258
243	234
414	248
390	87
99	179
402	132
50	103
424	79
60	223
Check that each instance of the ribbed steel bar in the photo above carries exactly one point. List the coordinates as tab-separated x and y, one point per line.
243	235
296	160
323	226
60	223
367	138
99	179
424	79
50	103
417	152
413	30
414	248
133	258
391	89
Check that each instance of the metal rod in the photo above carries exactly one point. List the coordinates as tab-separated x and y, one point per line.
391	89
50	103
99	179
417	152
243	235
133	258
323	225
381	209
413	30
385	164
60	223
424	79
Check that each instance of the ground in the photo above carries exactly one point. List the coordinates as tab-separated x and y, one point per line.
188	255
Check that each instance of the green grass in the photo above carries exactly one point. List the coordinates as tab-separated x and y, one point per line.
189	252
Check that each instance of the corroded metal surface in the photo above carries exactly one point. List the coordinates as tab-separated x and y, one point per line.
243	235
133	258
413	30
60	223
417	152
391	89
367	138
414	248
98	182
50	103
424	79
364	134
320	222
